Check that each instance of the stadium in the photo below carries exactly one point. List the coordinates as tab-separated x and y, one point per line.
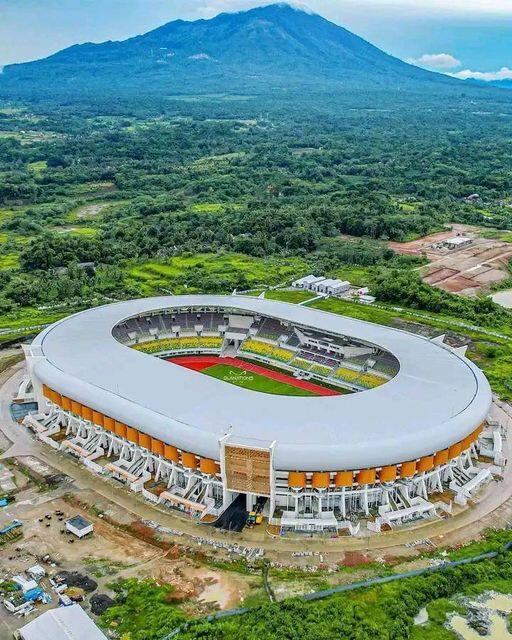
220	405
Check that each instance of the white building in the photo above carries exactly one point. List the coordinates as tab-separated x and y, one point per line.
64	623
331	287
457	242
79	526
307	282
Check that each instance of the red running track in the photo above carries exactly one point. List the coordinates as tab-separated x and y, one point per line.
199	363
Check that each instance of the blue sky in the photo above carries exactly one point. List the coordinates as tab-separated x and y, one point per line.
454	36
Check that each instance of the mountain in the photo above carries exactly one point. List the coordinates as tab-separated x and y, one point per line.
276	47
503	84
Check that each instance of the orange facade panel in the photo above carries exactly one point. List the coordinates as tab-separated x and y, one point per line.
120	429
366	476
97	418
66	403
76	407
46	391
171	453
157	446
145	441
344	479
55	397
426	464
467	442
132	435
297	479
408	469
455	450
478	430
109	423
207	465
87	413
320	480
441	457
188	460
387	474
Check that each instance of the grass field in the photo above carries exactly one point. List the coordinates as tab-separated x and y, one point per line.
193	274
253	381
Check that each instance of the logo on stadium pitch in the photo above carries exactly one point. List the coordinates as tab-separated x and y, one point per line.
238	376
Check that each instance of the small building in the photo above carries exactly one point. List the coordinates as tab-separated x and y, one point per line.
332	287
79	526
307	282
63	623
457	242
367	299
36	572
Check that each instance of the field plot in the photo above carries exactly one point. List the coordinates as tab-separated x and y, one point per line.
252	376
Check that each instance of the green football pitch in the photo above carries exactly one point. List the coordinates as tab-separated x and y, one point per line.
253	381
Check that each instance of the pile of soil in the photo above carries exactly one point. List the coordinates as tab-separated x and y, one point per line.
75	579
100	602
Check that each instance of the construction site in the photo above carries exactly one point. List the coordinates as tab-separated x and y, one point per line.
460	260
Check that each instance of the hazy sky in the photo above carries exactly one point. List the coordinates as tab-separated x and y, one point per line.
454	36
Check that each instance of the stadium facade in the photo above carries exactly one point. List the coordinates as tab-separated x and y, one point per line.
405	429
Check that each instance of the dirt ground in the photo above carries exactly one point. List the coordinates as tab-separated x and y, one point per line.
468	270
90	210
109	554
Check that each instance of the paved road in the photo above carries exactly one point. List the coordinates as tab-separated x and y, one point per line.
494	509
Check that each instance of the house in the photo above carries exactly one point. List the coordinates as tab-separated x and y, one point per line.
63	623
79	526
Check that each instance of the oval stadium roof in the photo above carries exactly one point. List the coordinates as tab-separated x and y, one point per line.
436	398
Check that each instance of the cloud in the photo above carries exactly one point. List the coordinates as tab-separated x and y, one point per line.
436	61
488	76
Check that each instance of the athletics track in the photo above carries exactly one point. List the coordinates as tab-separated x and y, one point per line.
199	363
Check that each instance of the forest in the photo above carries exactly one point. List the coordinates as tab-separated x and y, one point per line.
114	186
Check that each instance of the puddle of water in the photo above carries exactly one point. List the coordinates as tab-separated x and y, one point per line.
498	630
498	604
422	616
504	298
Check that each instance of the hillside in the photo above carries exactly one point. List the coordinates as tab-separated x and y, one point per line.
264	49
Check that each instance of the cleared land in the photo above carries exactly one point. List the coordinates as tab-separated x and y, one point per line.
468	270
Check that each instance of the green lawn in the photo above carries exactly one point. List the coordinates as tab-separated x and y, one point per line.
253	381
289	296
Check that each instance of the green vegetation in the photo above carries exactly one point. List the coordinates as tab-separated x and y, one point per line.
254	381
383	612
289	296
143	610
215	273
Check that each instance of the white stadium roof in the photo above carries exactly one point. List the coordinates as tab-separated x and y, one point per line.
436	399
